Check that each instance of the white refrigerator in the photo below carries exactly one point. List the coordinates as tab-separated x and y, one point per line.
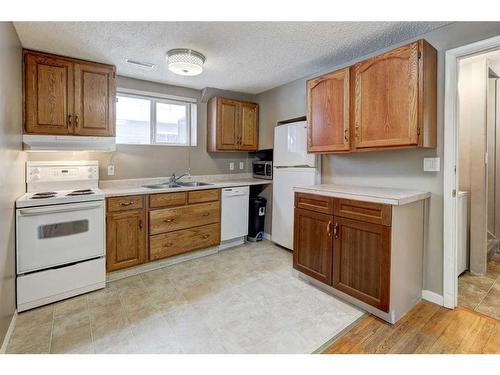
292	166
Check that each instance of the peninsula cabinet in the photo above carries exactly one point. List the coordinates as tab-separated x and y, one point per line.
65	96
385	102
233	125
368	253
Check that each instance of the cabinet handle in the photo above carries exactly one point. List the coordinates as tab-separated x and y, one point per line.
168	220
140	223
336	230
346	135
357	131
125	204
205	236
328	228
168	244
69	120
206	214
76	120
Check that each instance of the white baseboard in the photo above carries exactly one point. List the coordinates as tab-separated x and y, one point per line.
433	297
267	236
8	334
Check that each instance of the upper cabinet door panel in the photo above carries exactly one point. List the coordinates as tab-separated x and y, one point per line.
227	125
249	136
48	95
328	112
386	99
94	100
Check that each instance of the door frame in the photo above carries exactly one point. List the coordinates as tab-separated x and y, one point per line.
450	185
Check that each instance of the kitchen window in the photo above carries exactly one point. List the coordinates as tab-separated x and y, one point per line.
146	119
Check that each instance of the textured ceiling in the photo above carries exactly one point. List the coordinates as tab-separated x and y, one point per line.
249	57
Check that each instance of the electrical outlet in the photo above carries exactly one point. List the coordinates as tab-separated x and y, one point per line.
242	164
231	166
111	170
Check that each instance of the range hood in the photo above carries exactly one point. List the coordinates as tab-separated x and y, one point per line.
67	143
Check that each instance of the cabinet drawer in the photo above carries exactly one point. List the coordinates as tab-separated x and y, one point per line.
314	202
363	211
172	219
200	196
175	243
167	199
129	202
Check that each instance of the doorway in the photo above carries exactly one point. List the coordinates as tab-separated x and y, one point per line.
472	177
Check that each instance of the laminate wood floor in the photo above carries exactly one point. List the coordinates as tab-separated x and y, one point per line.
426	329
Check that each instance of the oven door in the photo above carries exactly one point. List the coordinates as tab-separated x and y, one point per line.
55	235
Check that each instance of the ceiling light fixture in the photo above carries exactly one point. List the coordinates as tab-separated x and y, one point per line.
185	62
141	64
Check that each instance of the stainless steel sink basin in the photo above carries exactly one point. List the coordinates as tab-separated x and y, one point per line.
162	186
193	183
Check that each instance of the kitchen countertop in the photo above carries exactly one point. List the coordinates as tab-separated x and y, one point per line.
114	188
392	196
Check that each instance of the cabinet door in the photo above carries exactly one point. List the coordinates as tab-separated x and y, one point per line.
227	124
94	100
125	239
386	99
248	127
312	244
48	95
328	112
362	261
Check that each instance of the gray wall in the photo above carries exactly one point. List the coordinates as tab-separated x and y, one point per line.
402	168
11	165
139	161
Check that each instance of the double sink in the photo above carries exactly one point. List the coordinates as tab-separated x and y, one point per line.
173	185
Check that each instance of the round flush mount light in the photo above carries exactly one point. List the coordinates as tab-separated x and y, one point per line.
185	62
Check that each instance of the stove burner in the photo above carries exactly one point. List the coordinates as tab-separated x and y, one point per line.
43	195
81	192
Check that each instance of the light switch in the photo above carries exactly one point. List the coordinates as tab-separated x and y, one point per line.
111	170
231	166
242	165
432	164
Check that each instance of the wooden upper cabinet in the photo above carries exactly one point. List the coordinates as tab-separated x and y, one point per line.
232	125
386	102
48	94
362	261
94	100
249	127
64	96
328	112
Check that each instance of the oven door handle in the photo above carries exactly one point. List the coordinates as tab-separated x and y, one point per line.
46	210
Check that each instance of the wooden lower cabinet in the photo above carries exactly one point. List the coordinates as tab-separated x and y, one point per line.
178	242
125	239
362	261
312	253
142	228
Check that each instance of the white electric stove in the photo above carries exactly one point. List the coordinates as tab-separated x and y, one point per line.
60	242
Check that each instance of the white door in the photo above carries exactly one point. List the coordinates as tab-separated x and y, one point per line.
290	146
284	180
60	234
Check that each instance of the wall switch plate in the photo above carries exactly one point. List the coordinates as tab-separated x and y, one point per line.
432	164
242	165
231	166
111	170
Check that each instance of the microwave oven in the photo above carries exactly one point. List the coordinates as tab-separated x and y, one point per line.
263	169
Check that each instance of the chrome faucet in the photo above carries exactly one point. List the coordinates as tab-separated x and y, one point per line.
174	179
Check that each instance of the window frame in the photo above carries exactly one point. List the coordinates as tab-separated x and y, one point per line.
191	105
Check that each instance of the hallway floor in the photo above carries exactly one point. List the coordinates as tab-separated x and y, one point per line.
482	293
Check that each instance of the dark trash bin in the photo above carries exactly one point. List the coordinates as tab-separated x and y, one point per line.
256	219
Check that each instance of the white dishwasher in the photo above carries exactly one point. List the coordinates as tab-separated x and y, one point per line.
234	216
